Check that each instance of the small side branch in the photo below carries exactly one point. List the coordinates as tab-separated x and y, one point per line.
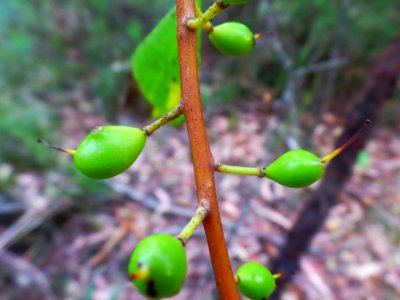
214	10
194	223
238	170
169	116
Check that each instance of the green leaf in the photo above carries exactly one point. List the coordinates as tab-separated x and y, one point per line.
363	160
156	69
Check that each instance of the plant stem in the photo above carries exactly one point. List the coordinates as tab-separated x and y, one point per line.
238	170
169	116
215	9
197	10
207	26
194	223
201	153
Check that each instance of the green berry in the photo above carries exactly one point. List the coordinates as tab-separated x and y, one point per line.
255	281
296	168
232	38
160	259
234	2
109	150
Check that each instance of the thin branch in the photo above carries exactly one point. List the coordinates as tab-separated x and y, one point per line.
327	85
194	223
30	220
169	116
330	64
148	201
214	10
239	170
277	45
20	266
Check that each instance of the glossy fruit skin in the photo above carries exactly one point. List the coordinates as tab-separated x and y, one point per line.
109	150
235	2
255	281
165	258
295	168
232	38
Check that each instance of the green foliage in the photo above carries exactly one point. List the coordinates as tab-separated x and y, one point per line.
155	66
77	45
21	123
363	159
156	69
312	25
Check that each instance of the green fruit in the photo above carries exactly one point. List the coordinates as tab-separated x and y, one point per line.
109	150
162	260
255	281
234	2
232	38
296	168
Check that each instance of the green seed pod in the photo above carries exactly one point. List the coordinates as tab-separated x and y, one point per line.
235	2
296	168
232	38
158	266
255	281
109	150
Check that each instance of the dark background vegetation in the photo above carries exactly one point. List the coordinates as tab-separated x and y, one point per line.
64	69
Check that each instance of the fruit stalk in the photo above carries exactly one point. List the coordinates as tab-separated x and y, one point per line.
215	9
169	116
200	149
194	223
238	170
207	26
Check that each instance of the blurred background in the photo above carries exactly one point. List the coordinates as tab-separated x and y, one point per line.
65	68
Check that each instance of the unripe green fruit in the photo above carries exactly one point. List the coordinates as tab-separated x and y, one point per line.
109	150
162	260
255	281
296	168
232	38
234	2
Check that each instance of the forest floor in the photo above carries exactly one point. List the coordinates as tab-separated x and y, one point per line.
82	253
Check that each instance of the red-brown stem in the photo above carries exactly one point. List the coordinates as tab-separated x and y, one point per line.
201	153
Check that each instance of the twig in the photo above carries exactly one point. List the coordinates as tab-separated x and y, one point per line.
10	205
116	237
194	223
328	82
147	200
277	45
272	215
317	280
169	116
30	220
214	10
22	267
11	208
330	64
